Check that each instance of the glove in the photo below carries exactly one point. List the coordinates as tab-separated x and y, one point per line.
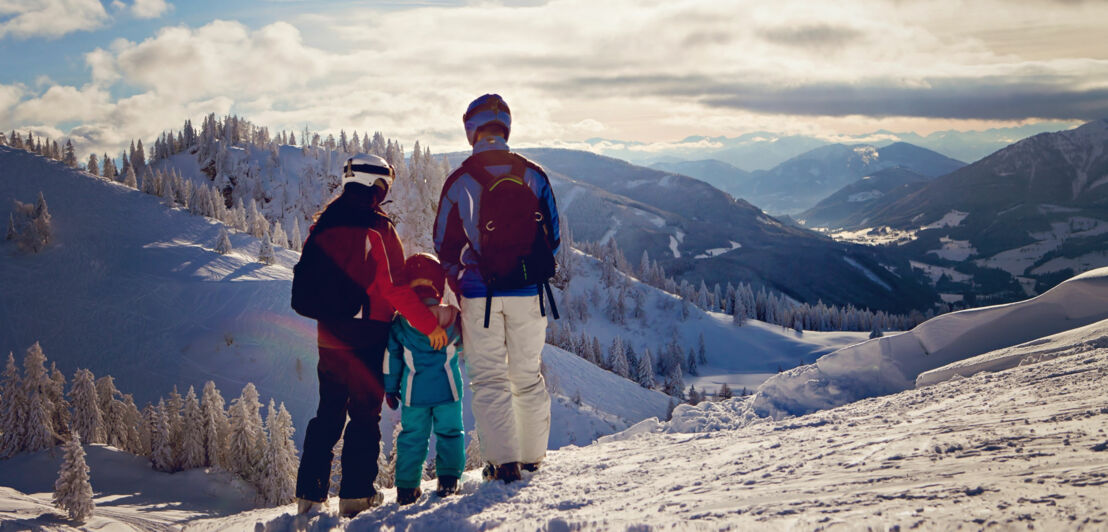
393	400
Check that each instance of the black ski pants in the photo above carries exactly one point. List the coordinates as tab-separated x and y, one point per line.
351	360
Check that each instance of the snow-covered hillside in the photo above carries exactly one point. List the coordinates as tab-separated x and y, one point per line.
892	363
132	289
1024	448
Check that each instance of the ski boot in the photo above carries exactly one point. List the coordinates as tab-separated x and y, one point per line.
530	468
405	496
508	472
351	507
304	506
447	486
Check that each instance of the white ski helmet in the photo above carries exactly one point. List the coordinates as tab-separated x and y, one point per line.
488	109
368	170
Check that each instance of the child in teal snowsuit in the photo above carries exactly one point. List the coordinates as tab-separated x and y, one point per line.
428	383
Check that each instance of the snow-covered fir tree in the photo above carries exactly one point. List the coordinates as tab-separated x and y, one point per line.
129	178
192	437
278	482
691	363
617	358
279	237
644	373
174	407
87	419
40	433
135	442
72	490
216	427
60	415
13	409
245	445
93	165
266	254
106	392
223	243
161	444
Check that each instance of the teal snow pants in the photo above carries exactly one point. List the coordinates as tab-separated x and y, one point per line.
411	445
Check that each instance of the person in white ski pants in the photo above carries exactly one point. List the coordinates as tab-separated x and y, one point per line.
503	342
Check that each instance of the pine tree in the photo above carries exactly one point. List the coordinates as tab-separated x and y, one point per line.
675	382
161	444
60	416
93	165
265	250
279	237
259	226
279	481
617	358
192	439
174	405
108	168
691	363
40	431
216	427
694	396
725	392
296	242
72	490
70	156
129	179
223	245
105	394
244	454
644	373
133	423
13	410
87	419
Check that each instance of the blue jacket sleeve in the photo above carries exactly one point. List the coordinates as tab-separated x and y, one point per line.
546	196
394	365
449	236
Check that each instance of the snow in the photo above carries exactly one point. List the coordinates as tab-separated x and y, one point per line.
673	247
956	250
936	272
952	298
1083	263
655	220
715	252
892	363
1073	342
1017	449
869	274
951	219
1016	261
874	236
868	195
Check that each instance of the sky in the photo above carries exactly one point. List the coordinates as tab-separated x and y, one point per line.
646	71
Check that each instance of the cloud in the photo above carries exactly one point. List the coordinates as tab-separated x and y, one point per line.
646	70
219	58
49	18
811	35
150	8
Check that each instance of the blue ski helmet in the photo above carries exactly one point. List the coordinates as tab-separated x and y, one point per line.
488	109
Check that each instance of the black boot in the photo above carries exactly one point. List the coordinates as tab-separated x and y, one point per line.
406	496
530	468
447	486
508	472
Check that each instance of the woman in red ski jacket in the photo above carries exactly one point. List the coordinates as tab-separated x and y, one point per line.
360	239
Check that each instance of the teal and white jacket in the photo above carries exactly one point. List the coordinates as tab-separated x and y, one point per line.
423	376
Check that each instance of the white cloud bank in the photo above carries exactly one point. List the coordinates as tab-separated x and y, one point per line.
651	71
49	18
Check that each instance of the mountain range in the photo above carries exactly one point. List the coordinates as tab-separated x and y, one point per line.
699	233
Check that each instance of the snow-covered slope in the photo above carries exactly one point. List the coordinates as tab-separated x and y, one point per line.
1019	449
740	356
133	289
892	363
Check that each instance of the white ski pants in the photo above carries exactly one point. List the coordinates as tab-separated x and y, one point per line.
510	403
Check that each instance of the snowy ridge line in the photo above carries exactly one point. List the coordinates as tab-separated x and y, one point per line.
1004	336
